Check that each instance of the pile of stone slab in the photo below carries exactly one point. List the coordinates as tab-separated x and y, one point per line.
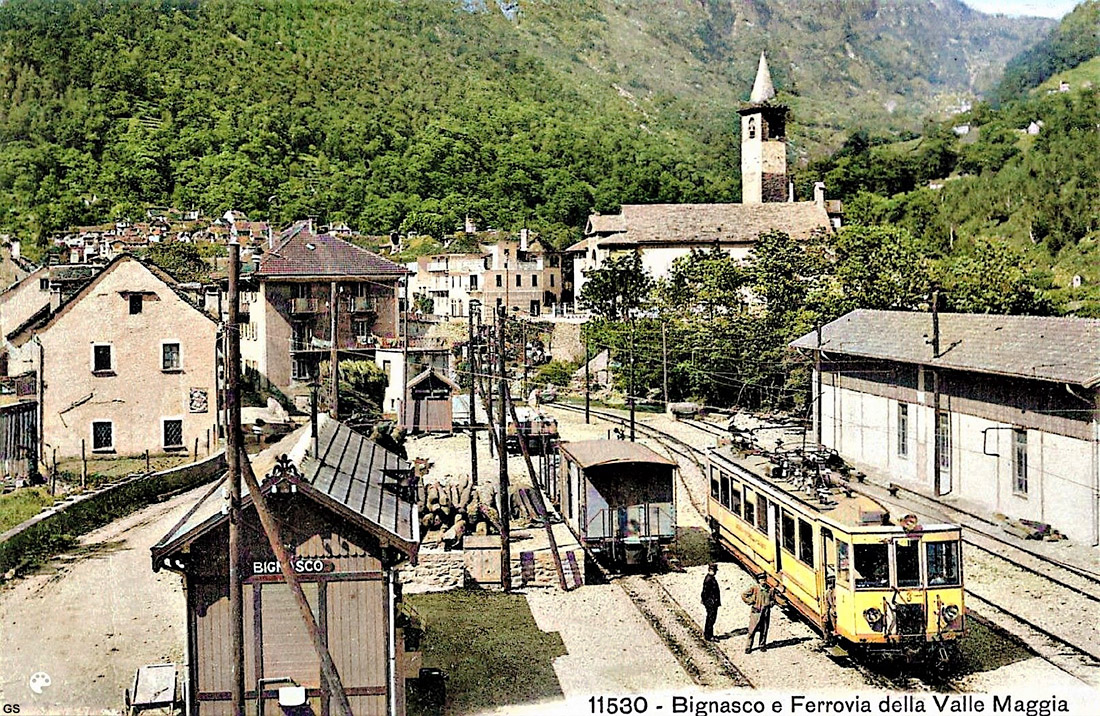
1029	529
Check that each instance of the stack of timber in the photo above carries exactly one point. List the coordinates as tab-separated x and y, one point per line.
454	508
1028	529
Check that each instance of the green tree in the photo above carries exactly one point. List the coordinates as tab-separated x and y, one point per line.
181	260
995	278
618	289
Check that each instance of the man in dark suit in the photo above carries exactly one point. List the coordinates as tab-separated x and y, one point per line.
712	599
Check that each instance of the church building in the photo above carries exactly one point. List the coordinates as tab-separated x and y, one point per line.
662	233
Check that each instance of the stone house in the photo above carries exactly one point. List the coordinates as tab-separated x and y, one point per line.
126	364
1002	412
306	293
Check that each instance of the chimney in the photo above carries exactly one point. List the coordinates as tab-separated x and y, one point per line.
819	193
15	249
471	227
790	192
55	296
523	239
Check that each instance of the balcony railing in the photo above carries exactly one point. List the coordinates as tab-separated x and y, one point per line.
305	305
361	304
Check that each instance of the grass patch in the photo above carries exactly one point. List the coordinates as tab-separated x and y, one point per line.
489	646
692	546
104	470
15	507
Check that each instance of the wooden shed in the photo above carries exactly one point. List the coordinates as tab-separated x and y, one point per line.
348	521
429	406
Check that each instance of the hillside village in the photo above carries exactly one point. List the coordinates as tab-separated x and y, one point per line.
277	462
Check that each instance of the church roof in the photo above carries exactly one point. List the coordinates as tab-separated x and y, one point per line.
762	89
707	224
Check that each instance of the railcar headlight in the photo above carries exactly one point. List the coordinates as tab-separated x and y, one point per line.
950	613
872	615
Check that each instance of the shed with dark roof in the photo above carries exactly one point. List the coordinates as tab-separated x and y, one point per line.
347	517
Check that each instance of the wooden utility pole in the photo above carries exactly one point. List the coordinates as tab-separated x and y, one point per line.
937	448
664	363
631	396
472	365
540	505
502	459
234	447
587	383
334	354
525	365
487	388
83	466
818	412
274	538
405	353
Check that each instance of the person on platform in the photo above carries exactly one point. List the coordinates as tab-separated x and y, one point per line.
760	597
712	599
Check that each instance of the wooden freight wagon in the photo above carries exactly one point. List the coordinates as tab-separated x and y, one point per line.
619	498
348	523
429	406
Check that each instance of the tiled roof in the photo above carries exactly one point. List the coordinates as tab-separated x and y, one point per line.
710	223
306	254
353	476
1066	350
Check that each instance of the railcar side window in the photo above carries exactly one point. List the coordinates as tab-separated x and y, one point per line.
788	531
943	564
843	568
907	560
735	498
750	507
714	483
725	490
805	542
872	566
762	513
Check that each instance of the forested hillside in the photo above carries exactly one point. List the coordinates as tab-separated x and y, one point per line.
1074	41
409	115
1018	182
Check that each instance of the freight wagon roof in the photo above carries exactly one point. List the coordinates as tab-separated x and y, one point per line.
593	453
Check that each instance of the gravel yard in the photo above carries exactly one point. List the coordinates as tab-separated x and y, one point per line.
91	617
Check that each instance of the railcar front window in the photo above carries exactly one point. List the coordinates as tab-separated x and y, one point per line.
872	566
943	564
908	564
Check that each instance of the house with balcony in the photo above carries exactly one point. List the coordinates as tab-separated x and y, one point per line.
524	275
311	294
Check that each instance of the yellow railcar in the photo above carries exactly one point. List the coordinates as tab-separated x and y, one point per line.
899	587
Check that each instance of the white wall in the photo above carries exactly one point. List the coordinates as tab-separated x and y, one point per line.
863	429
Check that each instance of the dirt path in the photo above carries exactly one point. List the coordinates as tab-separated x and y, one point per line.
91	617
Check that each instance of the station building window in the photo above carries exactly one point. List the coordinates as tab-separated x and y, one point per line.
903	430
1019	461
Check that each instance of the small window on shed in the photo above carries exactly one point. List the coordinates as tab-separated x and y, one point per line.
136	303
103	436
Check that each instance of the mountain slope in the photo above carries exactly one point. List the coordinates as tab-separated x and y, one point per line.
409	115
1074	41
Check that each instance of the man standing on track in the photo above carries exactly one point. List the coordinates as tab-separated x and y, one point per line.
760	597
712	599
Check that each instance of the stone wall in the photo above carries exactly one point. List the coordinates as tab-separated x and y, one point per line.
566	343
436	570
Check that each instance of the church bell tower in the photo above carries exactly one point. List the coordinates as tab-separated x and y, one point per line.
763	142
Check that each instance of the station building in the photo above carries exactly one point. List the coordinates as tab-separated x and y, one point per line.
1002	412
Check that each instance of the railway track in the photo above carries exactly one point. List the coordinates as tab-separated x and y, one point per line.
1075	656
